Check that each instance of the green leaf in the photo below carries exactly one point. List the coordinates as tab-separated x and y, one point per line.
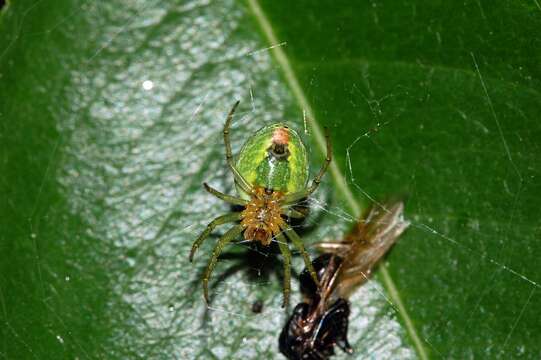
110	120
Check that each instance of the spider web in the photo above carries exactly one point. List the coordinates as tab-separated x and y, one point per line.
158	121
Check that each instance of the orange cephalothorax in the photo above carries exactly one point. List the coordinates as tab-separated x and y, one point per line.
262	216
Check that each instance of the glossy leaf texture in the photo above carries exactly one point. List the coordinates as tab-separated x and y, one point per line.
110	121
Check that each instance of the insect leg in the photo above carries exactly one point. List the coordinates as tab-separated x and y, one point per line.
284	249
227	198
218	221
224	240
296	240
295	214
241	181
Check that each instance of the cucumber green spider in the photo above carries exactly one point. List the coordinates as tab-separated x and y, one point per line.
271	176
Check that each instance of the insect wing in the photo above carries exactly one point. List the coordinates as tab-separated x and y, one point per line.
380	230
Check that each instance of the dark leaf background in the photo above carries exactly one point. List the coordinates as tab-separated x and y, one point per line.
110	120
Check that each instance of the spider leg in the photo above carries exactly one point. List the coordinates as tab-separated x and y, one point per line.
284	249
241	181
224	219
227	198
224	240
296	240
294	197
295	214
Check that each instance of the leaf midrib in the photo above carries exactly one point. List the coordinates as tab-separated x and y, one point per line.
340	181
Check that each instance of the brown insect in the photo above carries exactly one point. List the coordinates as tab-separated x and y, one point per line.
321	321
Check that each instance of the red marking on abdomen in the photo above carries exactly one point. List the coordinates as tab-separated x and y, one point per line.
280	136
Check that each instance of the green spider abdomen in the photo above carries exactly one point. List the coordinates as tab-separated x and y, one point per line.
274	158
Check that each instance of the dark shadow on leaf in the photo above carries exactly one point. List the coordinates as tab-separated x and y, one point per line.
257	261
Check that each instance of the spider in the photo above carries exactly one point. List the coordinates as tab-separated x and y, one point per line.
271	176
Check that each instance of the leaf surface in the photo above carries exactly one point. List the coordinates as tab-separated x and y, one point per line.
111	117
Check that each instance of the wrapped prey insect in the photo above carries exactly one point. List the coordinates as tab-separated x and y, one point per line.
320	322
